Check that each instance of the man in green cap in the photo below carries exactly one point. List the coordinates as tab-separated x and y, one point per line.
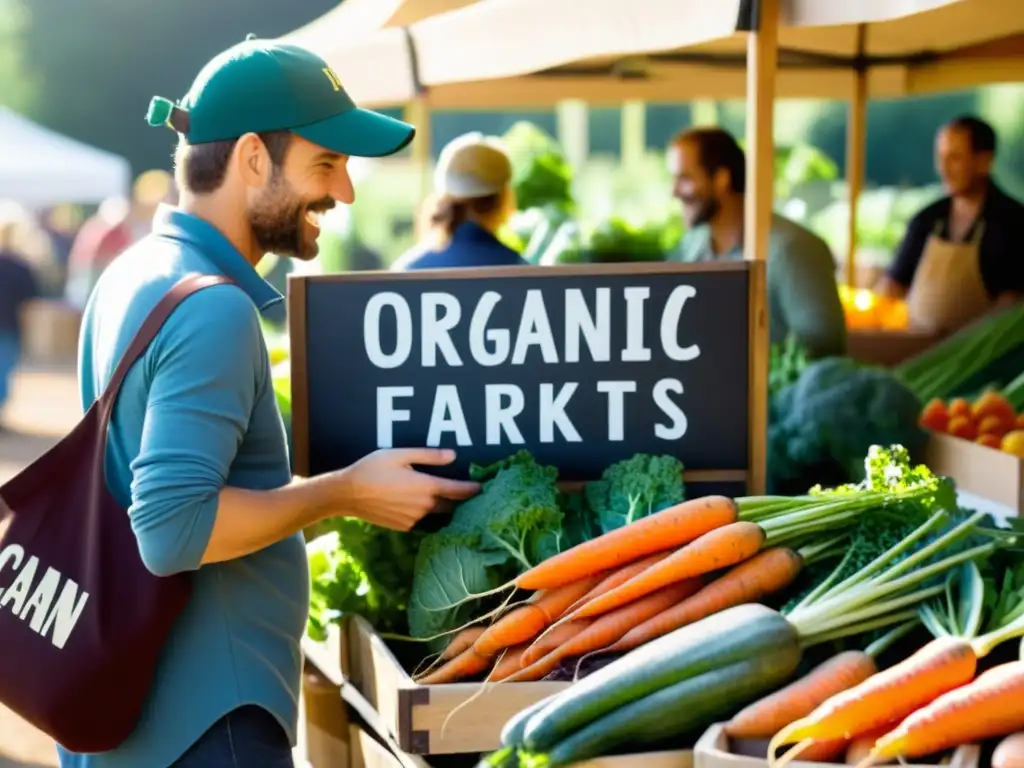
196	447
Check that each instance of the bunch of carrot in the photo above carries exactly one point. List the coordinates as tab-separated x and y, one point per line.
625	588
926	704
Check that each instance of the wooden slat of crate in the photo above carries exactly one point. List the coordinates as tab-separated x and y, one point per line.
986	472
713	751
416	714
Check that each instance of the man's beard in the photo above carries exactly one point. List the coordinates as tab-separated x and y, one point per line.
706	211
278	219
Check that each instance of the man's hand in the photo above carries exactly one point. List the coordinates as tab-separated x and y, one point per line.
384	489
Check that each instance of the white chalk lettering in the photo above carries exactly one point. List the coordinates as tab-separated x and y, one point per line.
616	391
552	413
596	328
677	428
388	415
501	416
447	416
635	351
371	330
534	328
479	333
436	326
34	601
670	325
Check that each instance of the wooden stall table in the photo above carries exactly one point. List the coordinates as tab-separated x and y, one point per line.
888	348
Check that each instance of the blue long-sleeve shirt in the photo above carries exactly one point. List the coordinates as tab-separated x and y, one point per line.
195	414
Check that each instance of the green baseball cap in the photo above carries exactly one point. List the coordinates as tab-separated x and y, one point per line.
264	85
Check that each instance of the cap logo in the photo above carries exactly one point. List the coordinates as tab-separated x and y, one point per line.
333	77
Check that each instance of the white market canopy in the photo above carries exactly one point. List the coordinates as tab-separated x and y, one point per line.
40	167
518	53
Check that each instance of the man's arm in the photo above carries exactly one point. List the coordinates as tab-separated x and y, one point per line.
896	281
208	360
206	365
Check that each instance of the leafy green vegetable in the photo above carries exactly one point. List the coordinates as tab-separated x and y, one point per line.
617	240
360	568
514	523
634	488
822	426
787	361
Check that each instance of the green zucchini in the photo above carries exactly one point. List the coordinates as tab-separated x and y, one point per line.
679	709
512	733
721	639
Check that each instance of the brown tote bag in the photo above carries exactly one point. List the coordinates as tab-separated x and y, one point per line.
82	622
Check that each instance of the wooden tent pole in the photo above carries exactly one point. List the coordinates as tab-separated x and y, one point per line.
856	154
762	65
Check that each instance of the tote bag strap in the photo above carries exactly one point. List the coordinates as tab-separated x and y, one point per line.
150	327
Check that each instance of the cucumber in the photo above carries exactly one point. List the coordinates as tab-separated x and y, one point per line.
512	733
679	709
724	638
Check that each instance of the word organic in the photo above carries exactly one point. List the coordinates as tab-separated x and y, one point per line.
528	366
49	602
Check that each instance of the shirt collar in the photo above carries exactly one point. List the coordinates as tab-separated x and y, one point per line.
177	224
471	232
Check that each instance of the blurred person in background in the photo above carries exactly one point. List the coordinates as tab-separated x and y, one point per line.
18	286
709	173
116	225
473	198
962	255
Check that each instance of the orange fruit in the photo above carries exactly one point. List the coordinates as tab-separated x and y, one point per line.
962	426
992	441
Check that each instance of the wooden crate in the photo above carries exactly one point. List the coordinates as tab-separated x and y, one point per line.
416	714
713	750
324	722
986	472
368	752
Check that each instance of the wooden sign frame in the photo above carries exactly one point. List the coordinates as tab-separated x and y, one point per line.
758	347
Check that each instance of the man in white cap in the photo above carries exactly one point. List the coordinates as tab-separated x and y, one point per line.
474	198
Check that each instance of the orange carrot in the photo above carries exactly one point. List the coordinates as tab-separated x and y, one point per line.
517	626
461	642
992	705
1009	753
619	576
525	622
764	718
508	663
613	625
555	602
555	637
719	548
766	572
667	529
943	664
466	664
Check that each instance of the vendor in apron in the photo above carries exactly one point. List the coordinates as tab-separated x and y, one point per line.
963	255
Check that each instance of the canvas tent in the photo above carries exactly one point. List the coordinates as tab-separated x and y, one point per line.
40	167
606	51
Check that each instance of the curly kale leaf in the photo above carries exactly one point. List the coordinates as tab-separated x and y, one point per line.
634	488
514	523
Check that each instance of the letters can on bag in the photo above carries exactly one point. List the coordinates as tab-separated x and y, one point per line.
82	621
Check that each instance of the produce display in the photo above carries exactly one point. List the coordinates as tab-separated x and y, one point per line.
987	353
991	419
891	559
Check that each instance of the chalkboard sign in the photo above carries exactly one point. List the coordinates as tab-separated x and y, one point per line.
583	366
